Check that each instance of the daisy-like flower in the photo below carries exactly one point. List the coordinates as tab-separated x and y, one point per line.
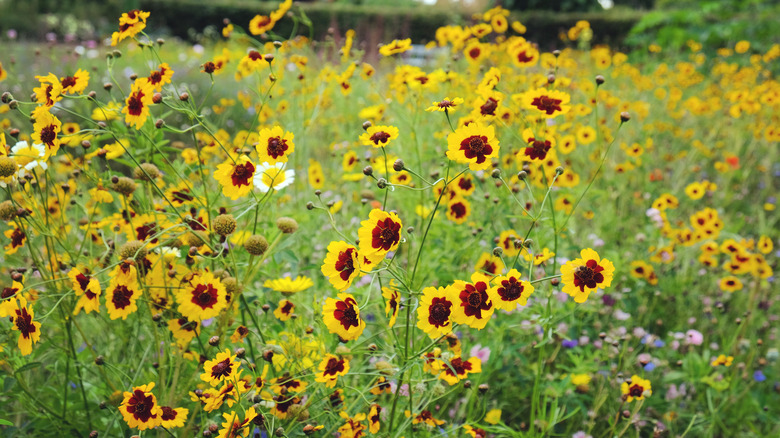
582	276
234	427
473	305
183	330
380	234
136	109
396	46
353	428
236	177
425	417
275	145
723	360
490	264
457	369
458	210
636	389
284	310
273	176
288	286
139	408
373	418
730	284
17	237
121	295
222	368
130	24
260	24
341	265
474	145
474	432
161	76
203	297
75	84
331	368
342	317
537	147
8	299
392	301
47	127
434	315
87	288
509	291
382	386
173	417
50	90
379	136
29	330
549	103
445	105
28	157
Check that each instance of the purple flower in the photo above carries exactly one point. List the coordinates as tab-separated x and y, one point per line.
569	343
759	376
608	300
649	367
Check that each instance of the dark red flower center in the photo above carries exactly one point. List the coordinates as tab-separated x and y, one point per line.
254	55
457	368
148	229
439	312
168	413
8	292
523	57
205	296
135	104
288	307
547	104
141	405
380	137
474	299
222	369
333	367
458	210
276	147
345	313
446	104
68	81
477	147
588	275
385	234
345	264
48	135
489	107
121	297
511	289
182	195
242	173
537	149
17	238
24	323
475	52
636	391
83	281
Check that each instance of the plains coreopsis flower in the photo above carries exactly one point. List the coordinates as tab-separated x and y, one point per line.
379	234
236	176
288	285
222	368
445	104
425	417
473	305
434	314
353	428
396	46
275	145
474	145
121	296
130	24
457	369
537	146
379	136
8	299
509	290
582	276
548	103
234	427
29	330
136	109
161	76
87	288
203	297
458	209
342	316
636	389
392	301
47	128
341	265
331	368
75	84
173	417
284	310
373	418
50	90
140	409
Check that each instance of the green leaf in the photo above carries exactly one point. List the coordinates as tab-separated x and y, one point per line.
27	367
5	422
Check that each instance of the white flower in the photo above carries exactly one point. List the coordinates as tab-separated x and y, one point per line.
273	176
28	157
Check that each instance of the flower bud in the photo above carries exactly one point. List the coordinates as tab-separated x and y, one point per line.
625	116
495	174
256	245
184	97
367	124
398	165
214	341
287	225
599	79
368	171
381	183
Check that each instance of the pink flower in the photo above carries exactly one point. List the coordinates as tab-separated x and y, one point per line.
694	337
483	353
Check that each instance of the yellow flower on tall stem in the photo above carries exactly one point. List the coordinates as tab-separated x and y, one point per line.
140	409
130	24
136	109
50	90
234	427
275	145
203	297
396	46
331	368
173	417
582	276
473	305
121	295
548	103
379	136
161	76
434	314
222	368
342	317
87	288
47	127
380	234
509	291
75	84
236	177
458	369
29	330
474	145
636	388
341	265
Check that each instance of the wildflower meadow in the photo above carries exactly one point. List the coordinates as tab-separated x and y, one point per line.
271	235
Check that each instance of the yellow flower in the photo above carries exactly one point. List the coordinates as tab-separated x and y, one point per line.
173	417
582	276
342	317
47	127
473	305
121	295
396	46
458	210
50	91
130	24
493	416
76	83
434	314
203	297
161	76
379	136
275	145
140	409
445	104
723	360
458	369
636	389
288	286
730	284
284	310
548	103
341	265
379	234
392	301
222	368
331	368
29	330
136	109
236	177
474	145
509	291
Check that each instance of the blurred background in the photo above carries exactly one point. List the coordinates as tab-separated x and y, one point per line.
624	24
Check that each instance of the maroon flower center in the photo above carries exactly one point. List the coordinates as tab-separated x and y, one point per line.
490	267
182	195
465	184
636	391
135	104
458	366
385	234
242	173
537	150
287	308
439	312
146	230
83	281
221	369
168	413
446	104
156	77
523	57
510	289
588	275
8	292
276	147
49	100
477	147
474	299
24	323
380	137
121	297
187	325
209	67
17	238
547	104
254	55
334	367
141	405
205	296
345	313
48	135
68	81
394	302
345	264
458	210
489	107
474	53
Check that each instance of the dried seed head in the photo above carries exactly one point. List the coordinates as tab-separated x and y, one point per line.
125	186
287	225
132	250
224	224
8	166
256	245
146	172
